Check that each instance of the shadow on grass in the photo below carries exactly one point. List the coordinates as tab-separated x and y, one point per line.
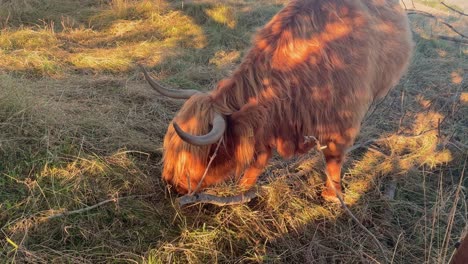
289	223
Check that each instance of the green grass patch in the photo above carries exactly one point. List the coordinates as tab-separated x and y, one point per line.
79	126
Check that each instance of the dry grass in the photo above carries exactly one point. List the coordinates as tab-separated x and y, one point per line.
78	125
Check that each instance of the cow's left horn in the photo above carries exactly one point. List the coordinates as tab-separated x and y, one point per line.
219	126
177	94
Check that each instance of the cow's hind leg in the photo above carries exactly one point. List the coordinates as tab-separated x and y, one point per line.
334	156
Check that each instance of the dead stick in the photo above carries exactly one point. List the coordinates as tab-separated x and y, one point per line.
464	41
85	209
453	9
207	168
418	12
216	200
451	217
404	4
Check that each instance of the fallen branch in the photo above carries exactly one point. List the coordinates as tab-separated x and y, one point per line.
216	200
91	207
404	4
459	40
426	14
453	9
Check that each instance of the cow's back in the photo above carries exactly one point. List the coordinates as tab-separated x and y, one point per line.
317	66
392	44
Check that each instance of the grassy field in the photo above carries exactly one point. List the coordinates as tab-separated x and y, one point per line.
79	125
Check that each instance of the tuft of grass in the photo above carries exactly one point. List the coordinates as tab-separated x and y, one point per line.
128	10
29	50
27	39
109	41
78	126
224	15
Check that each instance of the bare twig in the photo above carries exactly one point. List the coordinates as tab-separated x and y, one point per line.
448	231
453	9
404	4
85	209
216	200
457	144
207	168
459	40
418	12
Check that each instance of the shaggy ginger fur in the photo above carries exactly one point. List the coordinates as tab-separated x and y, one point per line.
461	254
313	70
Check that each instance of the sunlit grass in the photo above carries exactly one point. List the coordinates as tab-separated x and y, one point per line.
224	15
27	39
79	126
29	50
102	60
127	32
128	10
437	4
223	59
123	33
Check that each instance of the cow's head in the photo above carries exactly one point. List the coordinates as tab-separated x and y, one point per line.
193	137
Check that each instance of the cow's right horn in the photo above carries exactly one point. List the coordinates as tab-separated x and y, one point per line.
219	126
176	94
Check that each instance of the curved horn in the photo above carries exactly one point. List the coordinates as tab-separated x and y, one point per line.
177	94
219	126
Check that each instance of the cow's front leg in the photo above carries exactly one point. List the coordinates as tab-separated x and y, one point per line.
255	169
334	156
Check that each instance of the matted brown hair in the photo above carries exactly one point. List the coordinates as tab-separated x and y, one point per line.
314	69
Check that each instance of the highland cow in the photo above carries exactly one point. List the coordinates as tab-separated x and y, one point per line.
461	254
313	70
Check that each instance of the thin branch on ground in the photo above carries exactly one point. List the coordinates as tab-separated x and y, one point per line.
426	14
464	41
404	4
91	207
453	9
217	200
